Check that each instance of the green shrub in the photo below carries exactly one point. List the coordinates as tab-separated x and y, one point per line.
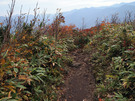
113	62
81	40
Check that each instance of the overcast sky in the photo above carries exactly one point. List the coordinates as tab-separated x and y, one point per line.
52	5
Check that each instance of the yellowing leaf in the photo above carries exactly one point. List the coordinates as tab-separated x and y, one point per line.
1	75
22	77
10	87
3	61
28	81
23	37
25	97
125	84
110	76
14	73
13	90
18	51
9	94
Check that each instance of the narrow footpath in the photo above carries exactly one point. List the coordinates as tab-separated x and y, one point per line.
79	83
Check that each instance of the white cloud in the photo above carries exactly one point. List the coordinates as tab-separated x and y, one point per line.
3	2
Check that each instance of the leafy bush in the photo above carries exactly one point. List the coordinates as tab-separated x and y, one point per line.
81	40
113	62
31	70
31	64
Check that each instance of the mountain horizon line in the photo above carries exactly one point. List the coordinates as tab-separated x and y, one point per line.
88	16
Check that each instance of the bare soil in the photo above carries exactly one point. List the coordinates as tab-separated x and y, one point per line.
79	84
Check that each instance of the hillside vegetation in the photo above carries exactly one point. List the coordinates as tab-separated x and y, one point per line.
34	58
113	61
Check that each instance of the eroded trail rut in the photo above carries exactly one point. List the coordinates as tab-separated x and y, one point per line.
79	84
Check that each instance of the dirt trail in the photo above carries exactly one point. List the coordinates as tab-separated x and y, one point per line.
79	84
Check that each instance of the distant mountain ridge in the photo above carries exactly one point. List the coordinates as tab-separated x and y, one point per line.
86	17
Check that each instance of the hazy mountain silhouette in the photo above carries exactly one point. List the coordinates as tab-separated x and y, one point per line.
87	17
90	15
